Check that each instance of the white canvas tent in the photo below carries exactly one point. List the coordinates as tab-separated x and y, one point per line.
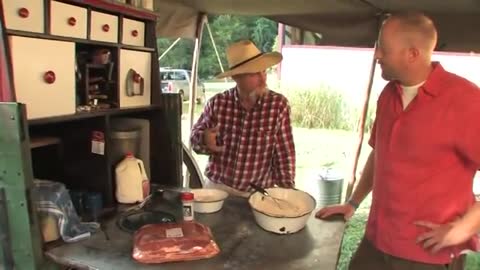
351	23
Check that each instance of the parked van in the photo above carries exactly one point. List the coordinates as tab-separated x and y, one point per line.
178	81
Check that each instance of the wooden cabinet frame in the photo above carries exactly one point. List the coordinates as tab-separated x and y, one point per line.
73	130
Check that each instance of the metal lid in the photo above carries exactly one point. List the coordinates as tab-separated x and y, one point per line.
329	174
125	134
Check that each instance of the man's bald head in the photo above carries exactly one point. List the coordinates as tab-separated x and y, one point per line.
405	47
415	29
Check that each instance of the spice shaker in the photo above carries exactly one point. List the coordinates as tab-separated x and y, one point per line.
187	201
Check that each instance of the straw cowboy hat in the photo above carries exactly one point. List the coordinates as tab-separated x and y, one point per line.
245	57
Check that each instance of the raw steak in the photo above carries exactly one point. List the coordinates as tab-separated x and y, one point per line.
185	241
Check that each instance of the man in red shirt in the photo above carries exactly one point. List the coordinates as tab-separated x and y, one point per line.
426	150
246	130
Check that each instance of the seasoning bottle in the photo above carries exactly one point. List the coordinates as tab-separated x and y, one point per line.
187	201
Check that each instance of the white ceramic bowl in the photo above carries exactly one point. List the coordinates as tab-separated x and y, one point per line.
208	200
290	218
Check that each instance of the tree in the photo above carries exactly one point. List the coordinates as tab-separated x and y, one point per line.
180	56
264	34
226	29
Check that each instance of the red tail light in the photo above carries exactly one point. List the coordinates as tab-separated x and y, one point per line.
170	87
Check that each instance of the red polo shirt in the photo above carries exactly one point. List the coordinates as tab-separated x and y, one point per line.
425	160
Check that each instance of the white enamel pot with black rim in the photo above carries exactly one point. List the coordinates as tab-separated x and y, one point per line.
289	217
208	200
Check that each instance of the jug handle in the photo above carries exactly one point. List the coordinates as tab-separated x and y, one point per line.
145	182
142	169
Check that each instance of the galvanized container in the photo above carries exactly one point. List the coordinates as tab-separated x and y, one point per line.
124	141
330	186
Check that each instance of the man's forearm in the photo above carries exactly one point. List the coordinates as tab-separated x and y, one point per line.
283	171
365	183
469	224
284	154
197	142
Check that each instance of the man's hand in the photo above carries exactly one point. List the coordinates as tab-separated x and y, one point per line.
210	140
441	235
344	209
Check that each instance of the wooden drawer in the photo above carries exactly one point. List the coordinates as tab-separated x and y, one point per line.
25	15
135	71
104	27
68	20
44	77
133	33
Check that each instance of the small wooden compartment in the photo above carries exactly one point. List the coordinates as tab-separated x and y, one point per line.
104	27
135	78
133	33
97	79
44	77
24	15
68	20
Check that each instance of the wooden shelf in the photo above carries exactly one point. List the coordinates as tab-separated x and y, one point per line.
78	40
137	48
37	142
116	7
91	114
98	66
60	38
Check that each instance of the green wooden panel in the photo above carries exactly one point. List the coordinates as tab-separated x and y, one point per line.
16	181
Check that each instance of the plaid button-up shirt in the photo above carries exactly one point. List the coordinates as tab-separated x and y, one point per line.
259	145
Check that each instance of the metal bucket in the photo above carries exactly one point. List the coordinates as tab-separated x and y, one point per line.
124	142
330	186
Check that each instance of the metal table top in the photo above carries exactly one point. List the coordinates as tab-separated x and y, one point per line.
243	244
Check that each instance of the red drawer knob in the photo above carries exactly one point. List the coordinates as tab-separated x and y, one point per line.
72	21
134	33
49	77
137	78
23	12
106	28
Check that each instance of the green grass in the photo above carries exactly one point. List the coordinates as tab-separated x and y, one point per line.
353	234
473	261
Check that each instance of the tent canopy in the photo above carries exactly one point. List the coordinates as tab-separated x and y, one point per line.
351	23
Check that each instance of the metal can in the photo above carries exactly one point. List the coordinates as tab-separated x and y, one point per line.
330	186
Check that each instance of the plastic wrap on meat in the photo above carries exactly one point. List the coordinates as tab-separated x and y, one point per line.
169	242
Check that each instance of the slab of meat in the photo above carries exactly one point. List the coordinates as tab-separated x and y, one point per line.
169	242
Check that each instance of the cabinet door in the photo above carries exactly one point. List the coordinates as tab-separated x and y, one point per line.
43	75
67	20
135	76
25	15
133	33
104	27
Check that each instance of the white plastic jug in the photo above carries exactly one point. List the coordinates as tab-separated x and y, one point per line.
132	181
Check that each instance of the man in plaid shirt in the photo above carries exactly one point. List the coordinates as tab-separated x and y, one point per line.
246	130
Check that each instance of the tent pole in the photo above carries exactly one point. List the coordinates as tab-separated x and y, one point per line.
193	85
196	56
361	131
168	49
352	177
215	48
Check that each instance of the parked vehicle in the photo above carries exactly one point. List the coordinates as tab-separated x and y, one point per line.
178	81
